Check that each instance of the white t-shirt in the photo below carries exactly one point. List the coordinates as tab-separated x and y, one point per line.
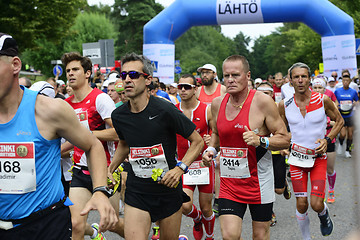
287	91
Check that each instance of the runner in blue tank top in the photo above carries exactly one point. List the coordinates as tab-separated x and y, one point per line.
32	200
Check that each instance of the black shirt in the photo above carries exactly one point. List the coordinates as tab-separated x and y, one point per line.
158	123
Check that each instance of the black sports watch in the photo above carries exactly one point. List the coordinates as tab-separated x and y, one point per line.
103	189
328	140
183	166
262	142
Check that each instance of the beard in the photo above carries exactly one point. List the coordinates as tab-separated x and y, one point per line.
207	82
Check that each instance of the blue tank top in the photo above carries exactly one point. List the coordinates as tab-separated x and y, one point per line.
49	190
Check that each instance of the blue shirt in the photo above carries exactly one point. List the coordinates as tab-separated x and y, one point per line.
22	130
343	96
163	94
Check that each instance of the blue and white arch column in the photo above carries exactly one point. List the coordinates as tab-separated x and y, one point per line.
335	27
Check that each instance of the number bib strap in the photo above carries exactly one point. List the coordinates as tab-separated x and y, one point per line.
17	168
234	162
301	156
144	159
197	175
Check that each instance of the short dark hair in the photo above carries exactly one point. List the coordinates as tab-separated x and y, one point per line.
147	65
345	71
241	58
189	76
75	56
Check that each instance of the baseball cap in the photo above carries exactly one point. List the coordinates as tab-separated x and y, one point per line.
258	80
43	88
207	66
113	77
173	85
60	82
8	45
331	79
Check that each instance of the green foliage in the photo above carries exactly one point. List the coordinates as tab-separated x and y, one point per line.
28	21
88	27
201	45
130	16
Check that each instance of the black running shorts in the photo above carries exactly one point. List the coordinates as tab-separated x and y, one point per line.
158	206
259	212
53	226
279	167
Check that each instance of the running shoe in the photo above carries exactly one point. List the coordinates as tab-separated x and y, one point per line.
215	209
198	230
339	149
331	197
100	235
326	225
156	233
273	220
287	191
347	154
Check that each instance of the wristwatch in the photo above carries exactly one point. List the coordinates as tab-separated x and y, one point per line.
262	142
103	189
328	140
183	166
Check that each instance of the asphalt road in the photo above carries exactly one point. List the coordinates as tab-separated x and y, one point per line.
343	212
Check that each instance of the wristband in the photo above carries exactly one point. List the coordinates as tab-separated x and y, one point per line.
211	149
267	142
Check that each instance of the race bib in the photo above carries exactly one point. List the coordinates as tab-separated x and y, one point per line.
17	168
346	105
278	97
234	163
144	159
197	175
83	118
301	156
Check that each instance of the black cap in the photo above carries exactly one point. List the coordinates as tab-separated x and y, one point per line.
8	46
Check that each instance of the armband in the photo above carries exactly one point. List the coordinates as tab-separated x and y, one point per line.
211	149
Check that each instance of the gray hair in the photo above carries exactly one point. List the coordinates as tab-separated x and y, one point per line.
299	65
147	65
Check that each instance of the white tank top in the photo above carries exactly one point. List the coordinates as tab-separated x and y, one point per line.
306	130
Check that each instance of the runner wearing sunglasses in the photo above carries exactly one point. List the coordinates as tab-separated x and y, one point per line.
147	128
199	175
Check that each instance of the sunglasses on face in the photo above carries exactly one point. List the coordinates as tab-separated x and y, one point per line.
186	86
132	75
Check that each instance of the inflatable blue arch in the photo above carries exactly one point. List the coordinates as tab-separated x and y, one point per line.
335	27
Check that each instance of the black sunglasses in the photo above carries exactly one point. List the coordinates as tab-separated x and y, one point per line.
346	76
132	75
186	86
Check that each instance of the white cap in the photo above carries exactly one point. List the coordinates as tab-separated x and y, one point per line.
207	66
258	80
60	82
43	88
173	85
113	77
331	79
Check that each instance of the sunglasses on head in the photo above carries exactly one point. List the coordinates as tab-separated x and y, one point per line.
186	86
132	75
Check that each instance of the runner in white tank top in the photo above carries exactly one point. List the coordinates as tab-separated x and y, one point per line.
305	115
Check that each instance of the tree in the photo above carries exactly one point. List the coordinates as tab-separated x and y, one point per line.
201	45
130	16
27	21
88	27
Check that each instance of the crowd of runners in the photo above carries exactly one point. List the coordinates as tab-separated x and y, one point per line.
136	149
